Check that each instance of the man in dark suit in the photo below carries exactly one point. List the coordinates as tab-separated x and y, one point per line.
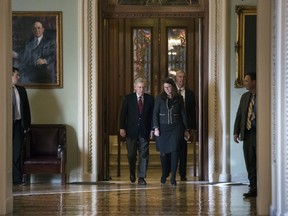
190	108
245	130
21	123
136	126
37	61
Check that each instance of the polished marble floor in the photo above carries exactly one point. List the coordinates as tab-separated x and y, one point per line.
120	197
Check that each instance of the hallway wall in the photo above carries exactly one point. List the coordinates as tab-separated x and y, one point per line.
237	163
60	105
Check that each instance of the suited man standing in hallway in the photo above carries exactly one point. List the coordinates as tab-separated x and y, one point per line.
21	123
245	130
136	126
190	108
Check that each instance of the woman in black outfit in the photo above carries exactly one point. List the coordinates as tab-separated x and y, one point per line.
170	125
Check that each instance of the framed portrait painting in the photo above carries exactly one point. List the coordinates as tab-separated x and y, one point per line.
245	46
37	48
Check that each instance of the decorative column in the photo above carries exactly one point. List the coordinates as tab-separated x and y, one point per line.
219	140
6	198
87	171
279	107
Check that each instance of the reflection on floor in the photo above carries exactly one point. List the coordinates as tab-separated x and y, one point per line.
120	197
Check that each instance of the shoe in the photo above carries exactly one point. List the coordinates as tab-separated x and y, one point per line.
250	194
141	181
173	183
183	178
132	178
163	180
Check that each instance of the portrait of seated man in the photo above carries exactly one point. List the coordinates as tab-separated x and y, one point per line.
37	59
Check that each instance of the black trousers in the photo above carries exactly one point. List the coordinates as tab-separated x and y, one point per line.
249	149
183	158
165	159
18	140
182	155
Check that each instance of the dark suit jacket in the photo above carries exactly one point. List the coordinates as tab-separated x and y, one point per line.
190	106
24	107
132	121
46	49
171	123
241	115
161	114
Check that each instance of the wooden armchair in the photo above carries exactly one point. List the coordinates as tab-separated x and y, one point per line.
45	151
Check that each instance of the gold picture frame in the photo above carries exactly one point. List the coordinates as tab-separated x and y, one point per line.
37	48
245	45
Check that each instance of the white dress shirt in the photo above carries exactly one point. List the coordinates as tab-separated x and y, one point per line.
17	98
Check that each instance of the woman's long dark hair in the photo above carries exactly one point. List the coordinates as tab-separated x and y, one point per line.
175	93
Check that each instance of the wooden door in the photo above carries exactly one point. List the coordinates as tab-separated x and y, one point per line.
159	66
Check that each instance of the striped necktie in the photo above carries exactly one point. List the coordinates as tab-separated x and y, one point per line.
35	42
250	115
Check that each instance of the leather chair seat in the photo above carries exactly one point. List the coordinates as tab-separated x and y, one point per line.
45	151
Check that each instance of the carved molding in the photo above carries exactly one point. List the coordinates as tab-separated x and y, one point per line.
279	107
275	93
213	86
219	166
151	15
91	85
284	145
216	85
114	10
